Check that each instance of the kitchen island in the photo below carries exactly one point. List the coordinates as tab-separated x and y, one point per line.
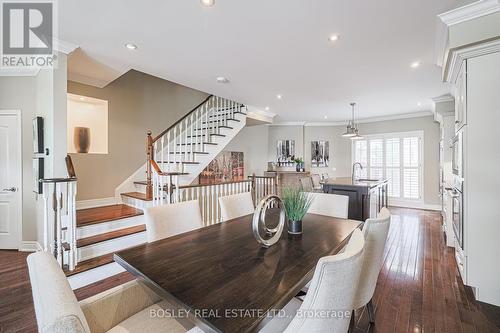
366	196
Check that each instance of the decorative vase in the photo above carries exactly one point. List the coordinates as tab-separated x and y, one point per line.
81	139
294	227
297	167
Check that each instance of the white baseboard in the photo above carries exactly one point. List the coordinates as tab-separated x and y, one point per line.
415	205
83	204
30	246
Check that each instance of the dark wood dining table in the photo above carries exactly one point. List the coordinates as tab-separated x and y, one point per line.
222	280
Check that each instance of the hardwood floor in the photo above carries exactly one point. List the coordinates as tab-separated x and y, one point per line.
419	288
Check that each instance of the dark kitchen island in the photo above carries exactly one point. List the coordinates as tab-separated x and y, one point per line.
366	196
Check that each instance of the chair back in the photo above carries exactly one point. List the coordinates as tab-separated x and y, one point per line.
333	205
316	181
172	219
236	205
375	231
333	288
56	307
306	184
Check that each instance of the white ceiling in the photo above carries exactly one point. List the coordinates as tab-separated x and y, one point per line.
269	47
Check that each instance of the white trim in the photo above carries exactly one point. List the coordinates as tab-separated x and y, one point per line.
19	192
93	275
83	204
359	121
19	71
30	246
443	98
88	80
470	12
64	47
457	56
413	204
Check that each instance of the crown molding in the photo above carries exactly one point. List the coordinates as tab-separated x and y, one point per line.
359	121
470	12
19	71
443	98
456	56
64	47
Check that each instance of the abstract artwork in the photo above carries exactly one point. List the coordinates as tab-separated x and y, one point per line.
285	150
320	154
227	166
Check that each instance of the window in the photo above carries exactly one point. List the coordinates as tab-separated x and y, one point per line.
395	156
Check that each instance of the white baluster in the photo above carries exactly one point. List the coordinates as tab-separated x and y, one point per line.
46	239
60	250
169	167
162	157
191	141
175	147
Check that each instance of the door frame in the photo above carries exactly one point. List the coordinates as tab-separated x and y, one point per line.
18	114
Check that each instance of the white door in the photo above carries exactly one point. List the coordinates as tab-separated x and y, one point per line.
10	180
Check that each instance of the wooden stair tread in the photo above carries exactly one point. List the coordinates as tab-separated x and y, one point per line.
205	143
183	162
85	265
102	214
217	120
194	152
137	195
220	126
110	235
198	135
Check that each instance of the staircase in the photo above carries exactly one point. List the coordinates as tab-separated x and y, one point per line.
174	159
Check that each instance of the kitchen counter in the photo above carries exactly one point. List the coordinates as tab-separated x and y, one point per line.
366	197
347	181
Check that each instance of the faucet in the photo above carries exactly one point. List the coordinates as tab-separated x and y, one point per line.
354	170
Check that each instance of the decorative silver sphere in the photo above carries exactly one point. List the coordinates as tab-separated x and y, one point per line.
259	220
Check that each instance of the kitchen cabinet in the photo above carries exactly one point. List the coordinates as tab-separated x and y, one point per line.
461	97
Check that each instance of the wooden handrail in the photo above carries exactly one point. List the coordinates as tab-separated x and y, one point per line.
156	138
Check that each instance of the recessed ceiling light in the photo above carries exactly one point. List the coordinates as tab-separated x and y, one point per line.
333	38
131	46
267	108
326	117
82	99
279	96
222	79
419	104
207	3
415	64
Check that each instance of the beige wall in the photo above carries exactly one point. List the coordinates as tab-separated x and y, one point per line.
137	103
340	148
253	142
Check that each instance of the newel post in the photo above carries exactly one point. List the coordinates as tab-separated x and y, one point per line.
254	197
149	172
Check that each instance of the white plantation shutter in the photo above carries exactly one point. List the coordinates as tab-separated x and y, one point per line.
361	156
393	166
376	158
411	165
396	157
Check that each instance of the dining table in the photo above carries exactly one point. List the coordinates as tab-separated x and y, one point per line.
221	279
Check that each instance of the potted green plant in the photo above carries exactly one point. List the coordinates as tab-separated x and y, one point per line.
299	164
297	204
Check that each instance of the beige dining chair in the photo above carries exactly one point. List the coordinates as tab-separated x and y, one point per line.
306	184
333	205
316	182
328	305
236	205
172	219
124	309
375	231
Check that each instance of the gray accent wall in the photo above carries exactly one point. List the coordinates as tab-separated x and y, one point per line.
138	102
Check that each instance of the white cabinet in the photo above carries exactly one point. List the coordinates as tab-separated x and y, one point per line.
461	97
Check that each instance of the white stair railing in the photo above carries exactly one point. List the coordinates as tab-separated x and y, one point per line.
171	150
59	227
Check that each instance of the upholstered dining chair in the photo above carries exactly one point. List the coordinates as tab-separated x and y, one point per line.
236	205
333	205
375	231
333	288
123	309
306	184
316	182
172	219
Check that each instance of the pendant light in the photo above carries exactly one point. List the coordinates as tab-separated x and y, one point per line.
356	135
351	126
